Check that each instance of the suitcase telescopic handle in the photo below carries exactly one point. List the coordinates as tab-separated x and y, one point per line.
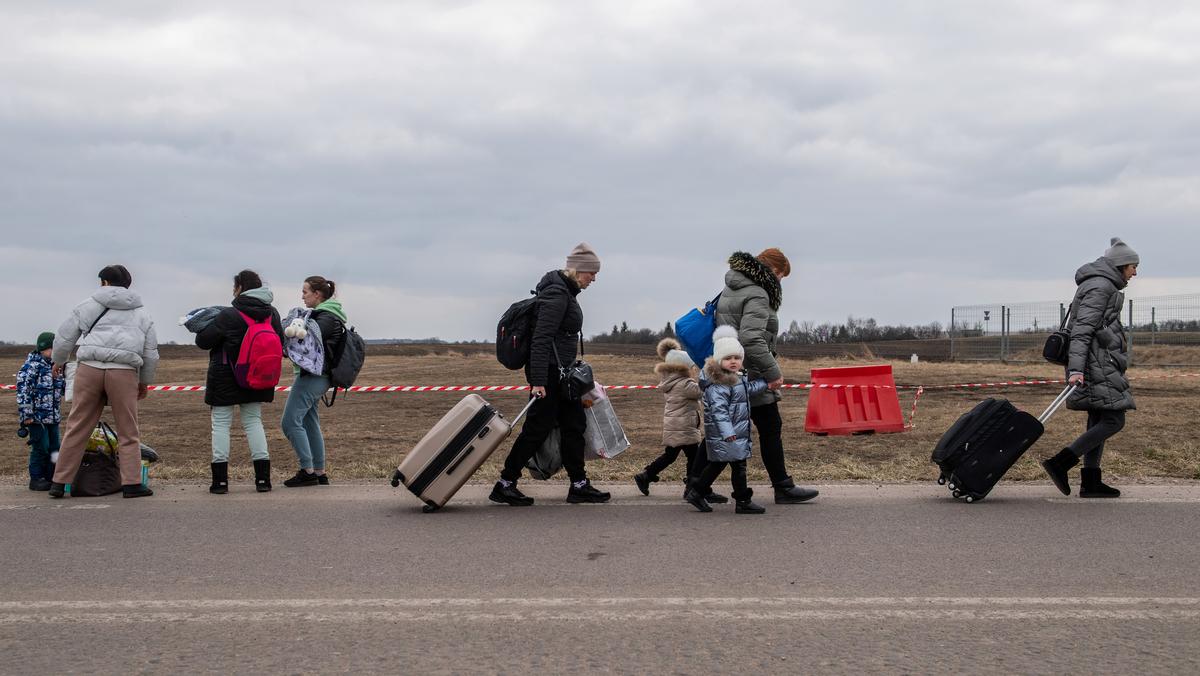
523	411
1056	404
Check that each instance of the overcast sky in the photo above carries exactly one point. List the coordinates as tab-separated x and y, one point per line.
436	158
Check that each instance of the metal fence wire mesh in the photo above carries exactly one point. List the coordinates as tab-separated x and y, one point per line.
1165	330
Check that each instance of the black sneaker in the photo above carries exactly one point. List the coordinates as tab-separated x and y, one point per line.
693	496
57	490
509	495
715	499
323	479
302	478
135	491
39	484
586	493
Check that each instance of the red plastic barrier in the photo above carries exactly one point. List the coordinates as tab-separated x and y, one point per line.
853	400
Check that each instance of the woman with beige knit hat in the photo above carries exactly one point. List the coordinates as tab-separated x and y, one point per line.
558	327
750	303
1098	357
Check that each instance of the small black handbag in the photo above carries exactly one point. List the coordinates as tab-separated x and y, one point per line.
1057	349
575	380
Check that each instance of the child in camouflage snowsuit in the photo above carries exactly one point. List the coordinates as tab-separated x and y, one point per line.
39	407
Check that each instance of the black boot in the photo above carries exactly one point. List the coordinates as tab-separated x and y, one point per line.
39	484
135	491
262	475
1058	466
57	490
715	498
1093	487
788	493
643	480
220	478
509	495
697	500
586	493
744	505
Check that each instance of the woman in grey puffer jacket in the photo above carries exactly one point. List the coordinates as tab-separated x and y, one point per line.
1098	357
118	355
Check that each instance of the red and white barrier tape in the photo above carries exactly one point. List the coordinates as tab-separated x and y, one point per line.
520	388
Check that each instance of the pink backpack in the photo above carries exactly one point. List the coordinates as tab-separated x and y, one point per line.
260	360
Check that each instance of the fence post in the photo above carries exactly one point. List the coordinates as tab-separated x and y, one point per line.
1003	332
1153	326
1062	313
951	334
1130	332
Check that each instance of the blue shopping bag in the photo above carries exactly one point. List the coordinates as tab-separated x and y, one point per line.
694	331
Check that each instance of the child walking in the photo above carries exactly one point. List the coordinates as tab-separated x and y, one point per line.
683	428
727	394
39	407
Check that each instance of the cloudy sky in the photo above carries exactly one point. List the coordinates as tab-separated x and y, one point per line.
435	158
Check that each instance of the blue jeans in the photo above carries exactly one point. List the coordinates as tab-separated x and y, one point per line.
300	422
43	440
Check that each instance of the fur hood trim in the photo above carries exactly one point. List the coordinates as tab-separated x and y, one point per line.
666	345
759	273
665	370
719	376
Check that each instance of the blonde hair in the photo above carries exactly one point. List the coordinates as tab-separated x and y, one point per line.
571	274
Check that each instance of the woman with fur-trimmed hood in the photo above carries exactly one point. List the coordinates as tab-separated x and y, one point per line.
682	416
750	303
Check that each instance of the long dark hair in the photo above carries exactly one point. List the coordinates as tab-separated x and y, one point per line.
246	280
116	275
323	286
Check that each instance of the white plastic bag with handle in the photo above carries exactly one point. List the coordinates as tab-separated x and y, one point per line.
604	437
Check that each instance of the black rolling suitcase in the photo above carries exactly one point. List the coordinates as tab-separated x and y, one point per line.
981	446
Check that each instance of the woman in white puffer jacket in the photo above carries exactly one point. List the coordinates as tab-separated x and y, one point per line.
114	341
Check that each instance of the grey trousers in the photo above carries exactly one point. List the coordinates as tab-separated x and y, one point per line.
1101	425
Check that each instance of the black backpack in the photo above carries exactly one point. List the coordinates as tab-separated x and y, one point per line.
349	362
514	333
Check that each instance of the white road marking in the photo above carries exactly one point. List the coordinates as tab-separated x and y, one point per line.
59	506
213	611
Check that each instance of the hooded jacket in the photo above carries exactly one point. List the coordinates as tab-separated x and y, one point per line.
223	339
682	412
750	303
727	399
123	337
331	318
1099	345
39	393
557	325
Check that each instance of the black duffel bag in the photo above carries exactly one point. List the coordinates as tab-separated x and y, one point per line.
98	472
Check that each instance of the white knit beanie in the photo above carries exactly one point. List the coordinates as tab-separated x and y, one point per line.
725	343
679	358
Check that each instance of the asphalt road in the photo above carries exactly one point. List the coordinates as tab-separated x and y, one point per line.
354	578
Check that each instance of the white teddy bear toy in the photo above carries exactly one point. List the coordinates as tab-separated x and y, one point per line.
296	329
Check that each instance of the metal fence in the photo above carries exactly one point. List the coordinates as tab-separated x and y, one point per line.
1165	330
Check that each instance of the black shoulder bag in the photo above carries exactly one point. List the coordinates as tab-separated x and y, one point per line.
576	380
1057	349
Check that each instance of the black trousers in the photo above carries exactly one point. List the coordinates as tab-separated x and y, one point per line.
669	455
769	424
1101	425
547	413
737	477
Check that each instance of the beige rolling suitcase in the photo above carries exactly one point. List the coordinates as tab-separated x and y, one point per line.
450	453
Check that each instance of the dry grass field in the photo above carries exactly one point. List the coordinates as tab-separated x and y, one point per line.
367	434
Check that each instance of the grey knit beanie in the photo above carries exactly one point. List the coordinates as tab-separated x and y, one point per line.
583	259
1120	253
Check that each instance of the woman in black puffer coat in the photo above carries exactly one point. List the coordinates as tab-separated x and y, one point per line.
223	339
557	328
1098	357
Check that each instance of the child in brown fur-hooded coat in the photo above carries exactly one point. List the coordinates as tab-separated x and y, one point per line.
683	417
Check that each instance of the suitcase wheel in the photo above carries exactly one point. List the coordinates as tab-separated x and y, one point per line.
957	494
941	479
970	499
952	487
430	508
396	478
